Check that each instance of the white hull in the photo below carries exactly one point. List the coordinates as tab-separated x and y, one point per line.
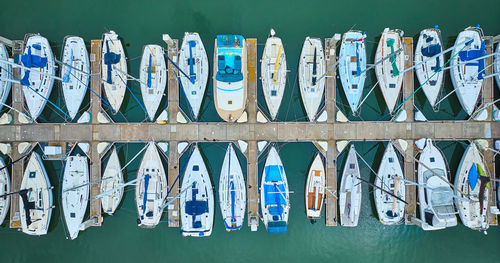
497	66
35	216
4	189
311	87
429	44
315	188
75	200
111	178
273	74
390	210
5	75
436	201
153	76
75	82
194	92
151	191
471	214
350	191
197	203
38	52
232	191
115	82
389	79
464	76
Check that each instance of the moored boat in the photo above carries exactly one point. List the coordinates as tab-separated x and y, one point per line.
230	76
273	73
197	198
4	189
436	199
151	190
274	195
429	73
114	68
232	191
466	70
194	61
112	178
315	188
37	73
472	182
497	66
5	75
153	78
311	68
75	193
75	73
388	72
390	209
350	191
352	64
35	202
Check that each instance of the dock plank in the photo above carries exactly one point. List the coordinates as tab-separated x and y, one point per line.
331	184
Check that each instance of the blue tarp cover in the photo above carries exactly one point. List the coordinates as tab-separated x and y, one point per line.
273	173
473	176
276	227
274	194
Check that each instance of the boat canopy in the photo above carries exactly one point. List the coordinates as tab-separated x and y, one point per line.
468	55
33	61
276	227
229	66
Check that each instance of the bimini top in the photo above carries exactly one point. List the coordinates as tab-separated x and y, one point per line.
229	54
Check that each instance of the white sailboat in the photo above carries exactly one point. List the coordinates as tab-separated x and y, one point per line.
315	188
350	191
75	82
497	66
467	77
75	193
5	75
352	64
436	199
429	44
311	68
115	80
274	194
273	73
194	61
38	67
35	202
197	203
232	191
390	210
151	190
471	180
4	189
153	76
112	178
388	72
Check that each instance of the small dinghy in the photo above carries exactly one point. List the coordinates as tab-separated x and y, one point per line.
388	73
352	64
350	191
35	204
114	67
75	193
274	198
151	190
466	70
36	74
273	73
311	68
4	189
390	210
194	61
112	178
429	44
315	188
153	78
197	199
230	76
471	180
436	199
232	191
5	75
76	76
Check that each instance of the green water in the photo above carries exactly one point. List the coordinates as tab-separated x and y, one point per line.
143	22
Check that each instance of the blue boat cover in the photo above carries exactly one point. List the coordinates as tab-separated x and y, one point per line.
68	73
431	50
467	55
276	227
192	75
110	58
473	176
274	194
145	197
149	71
31	61
273	173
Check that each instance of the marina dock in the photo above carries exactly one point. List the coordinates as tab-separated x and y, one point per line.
251	132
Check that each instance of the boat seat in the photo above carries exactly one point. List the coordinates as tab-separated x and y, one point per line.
237	64
221	63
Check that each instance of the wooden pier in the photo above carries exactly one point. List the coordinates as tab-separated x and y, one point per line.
251	132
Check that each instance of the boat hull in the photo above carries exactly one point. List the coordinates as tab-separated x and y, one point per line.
4	189
111	178
5	75
153	76
75	193
350	191
273	74
311	68
115	80
315	188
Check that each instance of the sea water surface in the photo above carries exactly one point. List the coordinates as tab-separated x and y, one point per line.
143	22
